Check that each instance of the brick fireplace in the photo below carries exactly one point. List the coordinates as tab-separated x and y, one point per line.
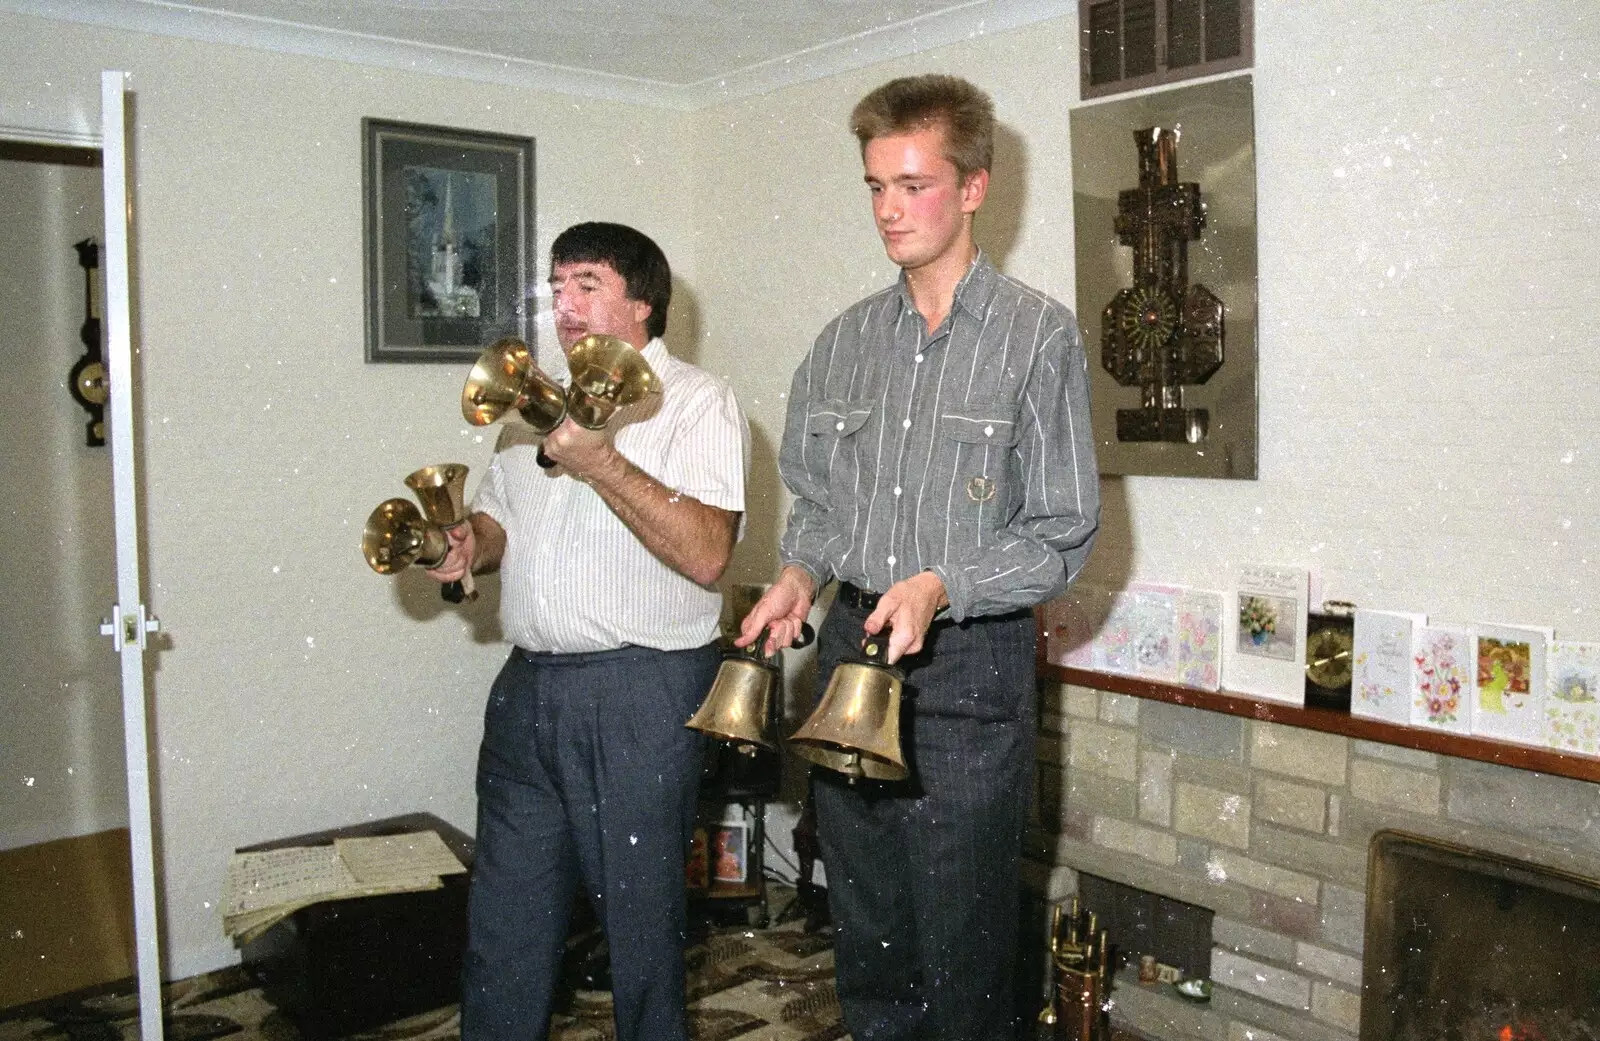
1268	826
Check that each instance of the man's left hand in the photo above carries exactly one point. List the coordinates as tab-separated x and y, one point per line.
907	608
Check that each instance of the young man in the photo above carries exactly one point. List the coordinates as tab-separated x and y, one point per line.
587	773
938	447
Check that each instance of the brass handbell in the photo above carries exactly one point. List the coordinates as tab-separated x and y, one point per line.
739	707
607	373
397	536
855	728
505	378
442	491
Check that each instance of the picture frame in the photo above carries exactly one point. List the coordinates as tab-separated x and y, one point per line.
448	219
1170	414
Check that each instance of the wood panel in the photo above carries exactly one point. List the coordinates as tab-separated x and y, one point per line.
66	916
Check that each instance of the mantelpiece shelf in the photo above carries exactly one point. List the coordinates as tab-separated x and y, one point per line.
1541	760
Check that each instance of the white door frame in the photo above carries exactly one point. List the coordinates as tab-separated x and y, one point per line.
130	625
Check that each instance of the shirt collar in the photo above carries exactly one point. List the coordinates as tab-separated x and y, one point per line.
973	292
655	352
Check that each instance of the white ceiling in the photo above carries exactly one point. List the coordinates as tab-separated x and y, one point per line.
672	53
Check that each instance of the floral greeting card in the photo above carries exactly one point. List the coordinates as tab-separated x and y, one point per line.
1199	655
1160	632
1266	642
1385	642
1572	698
1441	690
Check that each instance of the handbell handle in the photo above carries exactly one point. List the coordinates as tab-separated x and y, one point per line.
756	652
876	648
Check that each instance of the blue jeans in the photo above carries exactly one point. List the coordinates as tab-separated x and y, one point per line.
923	874
586	775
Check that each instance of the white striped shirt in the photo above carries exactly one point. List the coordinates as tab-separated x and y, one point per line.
966	452
574	578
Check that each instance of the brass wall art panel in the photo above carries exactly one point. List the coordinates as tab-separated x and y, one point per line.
1164	200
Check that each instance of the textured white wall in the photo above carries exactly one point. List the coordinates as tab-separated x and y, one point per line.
60	698
300	691
1429	268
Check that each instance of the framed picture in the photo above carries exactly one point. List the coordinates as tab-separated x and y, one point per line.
448	220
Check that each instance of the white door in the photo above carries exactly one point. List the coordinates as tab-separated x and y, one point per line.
130	623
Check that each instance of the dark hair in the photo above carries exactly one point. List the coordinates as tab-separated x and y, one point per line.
913	102
631	254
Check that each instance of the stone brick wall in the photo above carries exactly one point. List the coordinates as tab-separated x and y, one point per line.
1268	826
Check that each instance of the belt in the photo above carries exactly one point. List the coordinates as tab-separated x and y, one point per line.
858	598
866	600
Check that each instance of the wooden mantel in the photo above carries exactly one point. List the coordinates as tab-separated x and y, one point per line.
1541	760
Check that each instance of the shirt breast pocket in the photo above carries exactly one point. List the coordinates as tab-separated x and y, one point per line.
979	438
833	420
832	427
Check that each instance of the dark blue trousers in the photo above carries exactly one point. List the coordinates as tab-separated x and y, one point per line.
587	776
923	874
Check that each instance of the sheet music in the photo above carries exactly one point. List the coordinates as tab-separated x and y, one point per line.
265	879
419	856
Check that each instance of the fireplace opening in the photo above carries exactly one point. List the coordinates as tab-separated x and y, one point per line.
1140	922
1467	945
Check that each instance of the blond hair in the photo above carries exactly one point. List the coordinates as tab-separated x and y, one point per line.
914	103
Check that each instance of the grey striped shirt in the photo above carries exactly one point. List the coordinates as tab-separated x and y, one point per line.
966	452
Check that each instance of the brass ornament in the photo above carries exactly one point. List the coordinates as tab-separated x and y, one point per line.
855	728
505	379
91	383
397	536
1162	332
442	491
738	708
607	374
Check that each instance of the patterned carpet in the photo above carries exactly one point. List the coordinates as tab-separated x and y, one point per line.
752	984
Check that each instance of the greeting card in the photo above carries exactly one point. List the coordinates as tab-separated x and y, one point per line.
1572	697
1508	687
1199	656
1382	661
1441	678
1160	632
1070	622
1266	639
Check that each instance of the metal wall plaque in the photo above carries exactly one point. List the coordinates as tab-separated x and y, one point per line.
1165	221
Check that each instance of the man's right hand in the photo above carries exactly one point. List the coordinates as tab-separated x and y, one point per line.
458	560
781	610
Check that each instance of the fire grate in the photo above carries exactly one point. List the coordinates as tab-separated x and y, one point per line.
1467	945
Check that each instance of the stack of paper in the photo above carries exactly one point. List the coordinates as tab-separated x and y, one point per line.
265	887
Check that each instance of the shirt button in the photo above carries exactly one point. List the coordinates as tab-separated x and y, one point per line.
838	426
891	562
898	489
919	359
988	431
906	423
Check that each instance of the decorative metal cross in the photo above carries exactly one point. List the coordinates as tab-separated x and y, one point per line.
1161	332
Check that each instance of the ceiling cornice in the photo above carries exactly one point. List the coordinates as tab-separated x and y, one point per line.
163	18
